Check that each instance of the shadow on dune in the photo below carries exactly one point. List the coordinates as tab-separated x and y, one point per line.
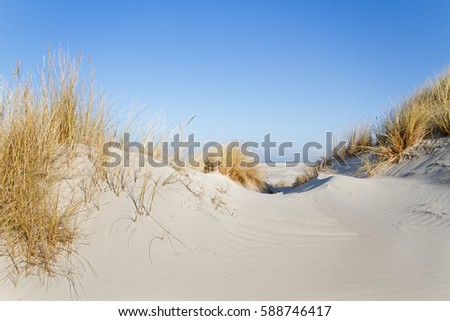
312	184
354	164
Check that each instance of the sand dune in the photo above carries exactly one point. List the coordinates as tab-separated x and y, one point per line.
340	237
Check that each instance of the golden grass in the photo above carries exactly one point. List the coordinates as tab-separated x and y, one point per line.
425	114
404	127
42	121
233	166
312	172
309	174
369	165
438	97
441	119
359	140
237	166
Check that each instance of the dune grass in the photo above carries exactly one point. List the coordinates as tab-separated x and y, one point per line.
238	167
233	166
359	140
44	120
425	114
437	97
309	174
405	126
312	171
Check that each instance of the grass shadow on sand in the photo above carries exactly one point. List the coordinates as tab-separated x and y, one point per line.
312	184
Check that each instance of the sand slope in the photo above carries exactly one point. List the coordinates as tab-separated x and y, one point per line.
337	237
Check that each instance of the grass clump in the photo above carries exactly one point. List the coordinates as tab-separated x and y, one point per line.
234	165
423	115
312	171
404	127
438	97
309	174
41	121
359	141
232	162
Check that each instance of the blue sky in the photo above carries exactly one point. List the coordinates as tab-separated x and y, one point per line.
245	68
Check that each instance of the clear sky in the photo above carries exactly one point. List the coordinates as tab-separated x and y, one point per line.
245	68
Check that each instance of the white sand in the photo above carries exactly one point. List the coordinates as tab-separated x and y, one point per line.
337	237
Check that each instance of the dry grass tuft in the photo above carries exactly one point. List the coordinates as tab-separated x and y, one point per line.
310	173
359	141
369	165
438	97
237	166
42	121
423	115
404	127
